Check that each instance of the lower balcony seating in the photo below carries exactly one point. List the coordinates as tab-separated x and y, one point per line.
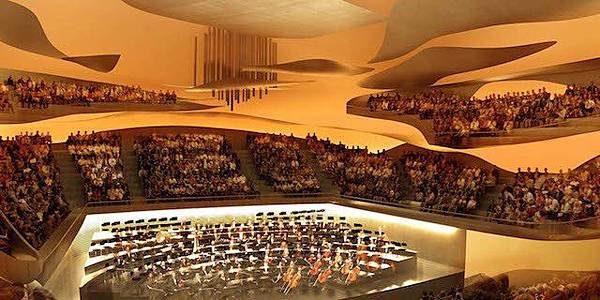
537	196
98	160
278	159
31	195
189	165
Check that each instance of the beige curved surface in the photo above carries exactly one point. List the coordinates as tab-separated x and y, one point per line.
577	72
20	28
561	153
414	22
432	64
325	67
234	84
272	18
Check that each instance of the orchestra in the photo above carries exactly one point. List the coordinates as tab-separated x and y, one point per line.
284	252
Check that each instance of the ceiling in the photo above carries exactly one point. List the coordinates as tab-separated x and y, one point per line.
272	18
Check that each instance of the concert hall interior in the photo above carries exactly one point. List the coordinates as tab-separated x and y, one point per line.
314	149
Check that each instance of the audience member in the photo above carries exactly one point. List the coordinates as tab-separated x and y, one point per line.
494	114
40	95
278	159
5	102
452	294
442	183
189	165
537	196
30	192
4	244
98	160
360	174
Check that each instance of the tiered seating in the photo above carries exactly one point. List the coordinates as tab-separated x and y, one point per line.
30	191
442	183
359	173
4	243
270	251
537	196
98	160
279	161
495	113
189	165
32	94
5	103
451	294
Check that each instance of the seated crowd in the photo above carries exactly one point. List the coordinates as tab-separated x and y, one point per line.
189	165
30	191
358	173
4	242
495	113
40	94
538	196
98	160
5	103
436	181
451	294
573	286
278	160
442	183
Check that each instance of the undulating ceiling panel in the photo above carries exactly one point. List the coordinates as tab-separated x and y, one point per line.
414	22
579	72
269	18
325	67
20	28
432	64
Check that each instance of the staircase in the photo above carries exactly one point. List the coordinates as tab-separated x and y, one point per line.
70	179
493	192
327	185
249	170
130	172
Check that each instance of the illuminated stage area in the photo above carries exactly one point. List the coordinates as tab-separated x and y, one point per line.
285	149
299	251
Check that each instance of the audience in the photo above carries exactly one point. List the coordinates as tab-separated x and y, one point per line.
494	114
4	243
539	196
5	103
360	174
30	192
98	160
442	183
575	286
436	181
452	294
40	95
278	159
189	165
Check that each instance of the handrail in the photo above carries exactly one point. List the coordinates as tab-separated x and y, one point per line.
545	227
478	217
456	133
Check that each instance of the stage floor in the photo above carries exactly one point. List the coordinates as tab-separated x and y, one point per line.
69	277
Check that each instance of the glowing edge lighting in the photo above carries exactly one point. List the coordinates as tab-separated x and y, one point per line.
92	222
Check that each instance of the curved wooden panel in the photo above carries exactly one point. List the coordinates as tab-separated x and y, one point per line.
313	67
270	18
432	64
101	63
414	22
578	72
20	28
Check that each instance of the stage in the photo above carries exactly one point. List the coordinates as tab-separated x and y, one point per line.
82	275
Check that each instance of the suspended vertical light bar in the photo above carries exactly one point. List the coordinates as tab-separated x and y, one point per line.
226	54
